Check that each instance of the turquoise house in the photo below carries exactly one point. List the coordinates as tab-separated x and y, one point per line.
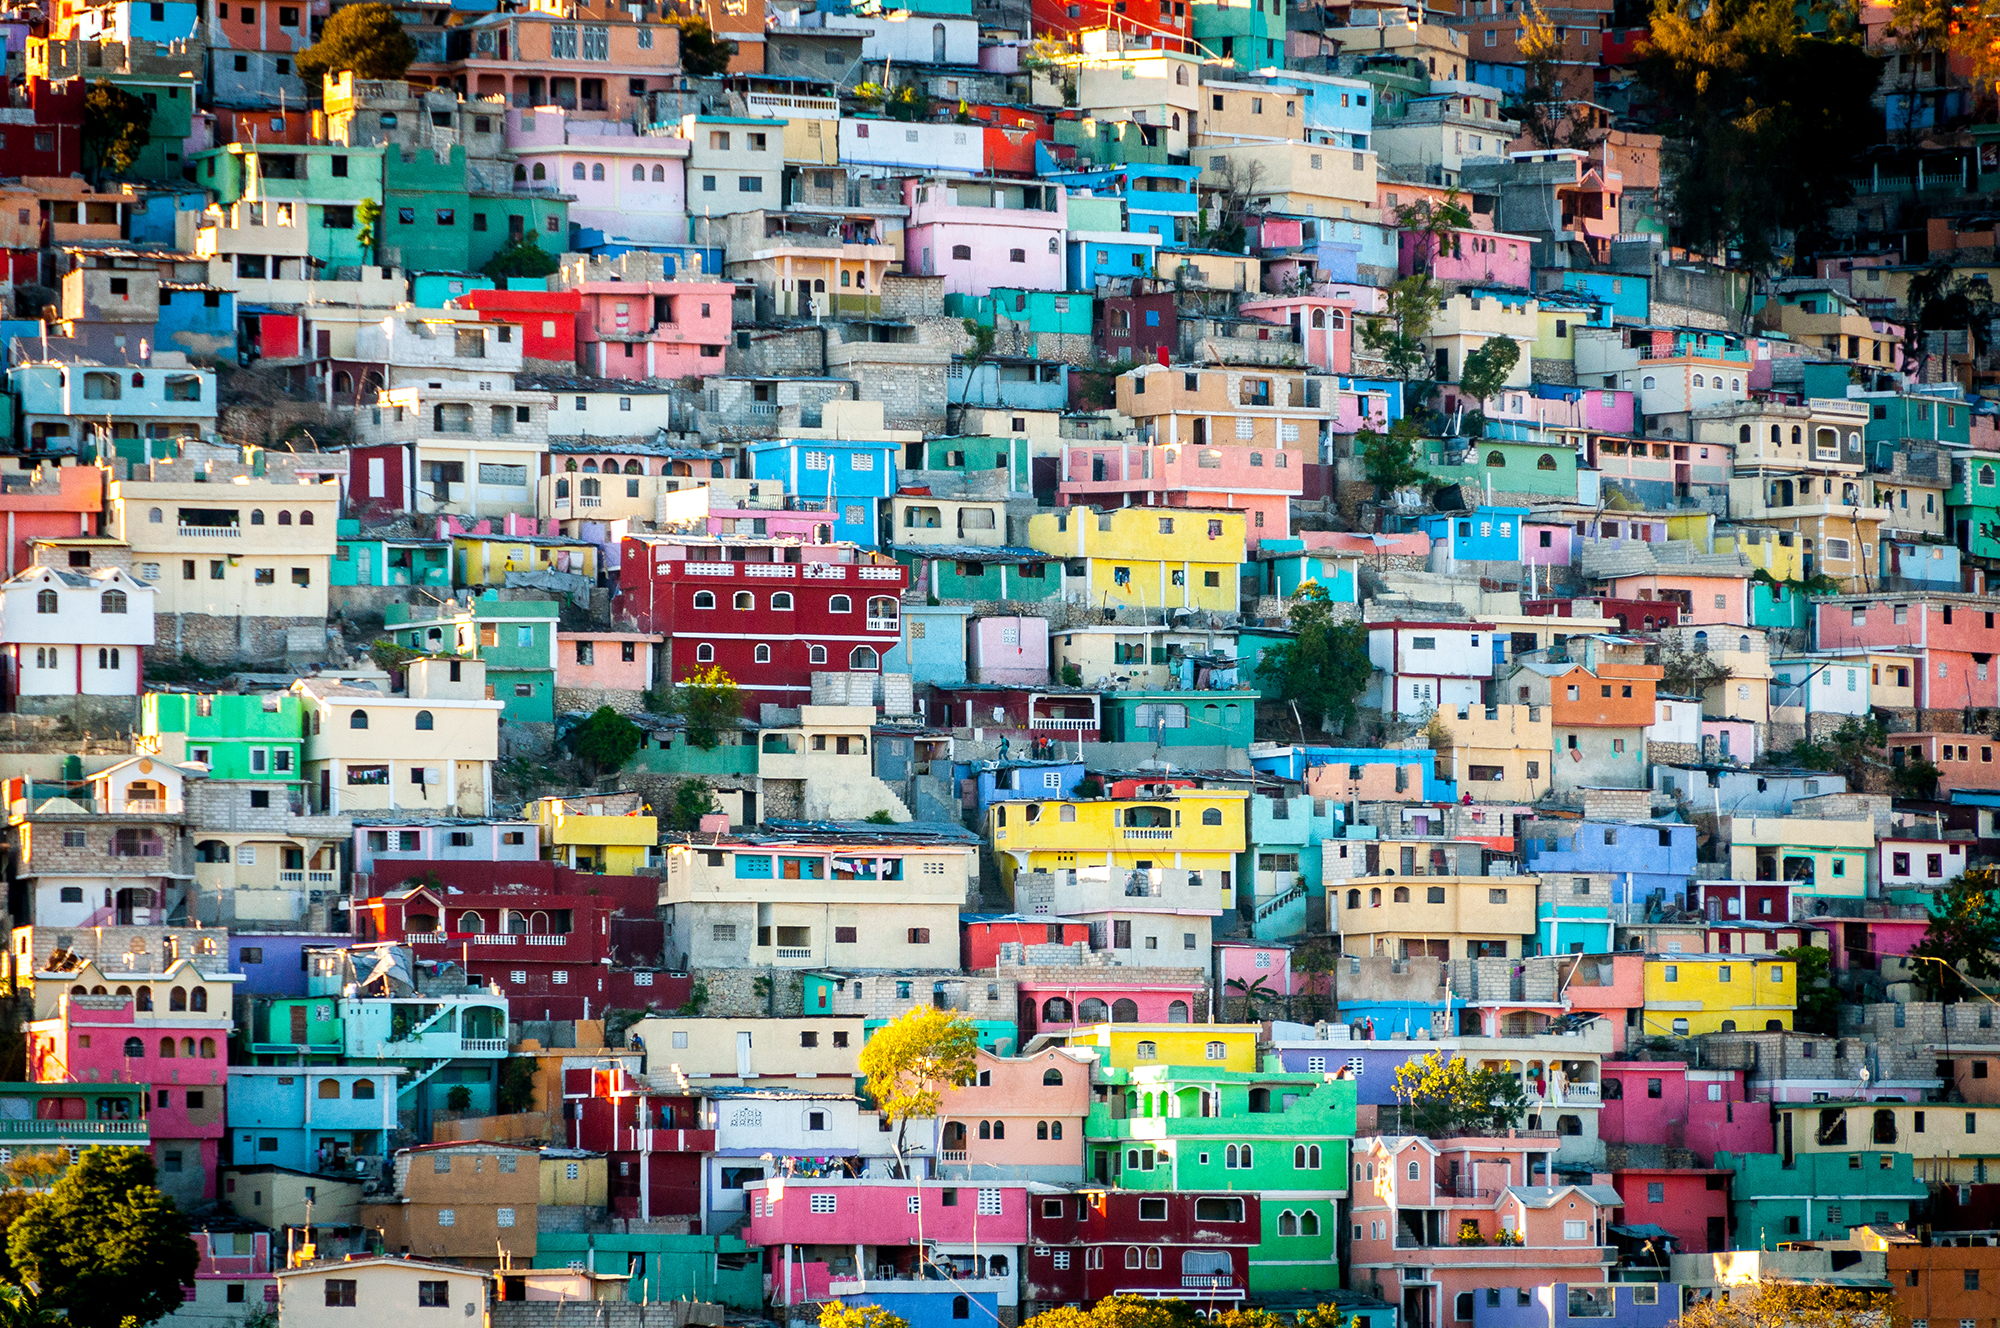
1206	719
377	560
515	639
1283	565
1817	1196
966	454
1284	896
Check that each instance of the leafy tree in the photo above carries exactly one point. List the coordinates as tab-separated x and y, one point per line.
1390	459
837	1314
905	103
1762	116
1250	1318
1844	749
1963	937
1397	336
21	1308
1819	999
104	1243
524	257
1325	666
911	1063
1485	372
1917	778
1940	299
117	126
1329	1316
367	41
458	1099
1762	1304
1255	996
607	739
1119	1312
1435	225
517	1084
367	216
707	701
1547	114
693	799
1448	1097
703	54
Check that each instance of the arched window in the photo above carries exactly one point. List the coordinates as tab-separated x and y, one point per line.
424	721
46	602
1743	644
541	171
1181	75
1319	318
961	1307
704	653
1743	434
1288	1223
1402	895
638	175
177	999
143	999
112	601
358	720
986	1129
1131	1256
1055	1010
864	657
840	604
999	1129
305	518
1375	896
1496	461
166	1049
156	516
1093	1011
1055	1129
256	516
135	1048
1986	474
1052	1077
208	1049
1177	1012
782	600
1547	462
1041	1131
1124	1011
284	518
1698	382
1354	899
198	1000
961	252
1257	459
576	171
1308	1224
329	1090
743	599
1211	816
815	654
659	174
762	655
187	1047
704	599
1647	382
362	1090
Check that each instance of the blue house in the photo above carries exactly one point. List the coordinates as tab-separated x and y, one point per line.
1484	534
1644	860
1009	384
1919	566
151	216
189	313
1287	564
1630	297
1295	761
852	478
933	646
306	1117
1025	781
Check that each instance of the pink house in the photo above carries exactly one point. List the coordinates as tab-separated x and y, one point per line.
1009	649
1547	544
653	329
606	661
1056	1001
233	1255
54	503
1323	326
1964	760
1617	996
167	1029
627	185
1412	543
1358	408
1250	962
978	234
863	1240
1415	1199
1021	1117
1469	255
1245	479
1702	599
1955	635
1692	1205
1672	1104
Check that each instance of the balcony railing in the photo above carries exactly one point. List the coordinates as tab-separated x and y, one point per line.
56	1129
548	939
210	532
1207	1281
307	878
951	1155
794	952
885	624
483	1044
1062	725
1131	833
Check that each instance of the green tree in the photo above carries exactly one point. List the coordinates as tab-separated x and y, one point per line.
1484	373
912	1063
1390	459
104	1243
1844	749
1764	102
837	1314
1119	1312
1548	115
367	218
1329	1316
1399	335
1784	1305
1916	778
524	257
1961	943
1324	667
367	41
22	1308
1434	226
607	739
458	1099
1448	1097
693	799
1819	999
1254	996
1941	299
517	1084
117	126
703	54
708	701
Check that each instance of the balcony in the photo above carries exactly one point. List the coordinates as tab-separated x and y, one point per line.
488	1046
885	624
1063	725
310	878
1210	1281
72	1129
210	532
794	952
1130	833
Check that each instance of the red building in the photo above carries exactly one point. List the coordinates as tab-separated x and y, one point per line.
53	144
560	944
1011	135
770	614
980	936
1690	1205
1188	1246
651	1141
1668	1104
1624	615
266	125
1165	22
1018	712
548	320
1137	327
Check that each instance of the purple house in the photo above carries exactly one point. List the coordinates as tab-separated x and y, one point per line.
1547	543
1492	257
1573	1305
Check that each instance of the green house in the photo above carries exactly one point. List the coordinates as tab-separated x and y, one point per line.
1180	719
515	639
435	220
1534	468
955	572
1279	1134
719	1269
1064	312
1112	143
1817	1196
171	102
981	453
1252	36
258	737
329	181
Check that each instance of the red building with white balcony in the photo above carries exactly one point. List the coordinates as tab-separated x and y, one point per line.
234	1276
652	1141
769	613
1021	713
1177	1245
1164	23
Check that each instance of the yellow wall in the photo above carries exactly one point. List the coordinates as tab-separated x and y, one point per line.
1706	991
1174	1044
1169	556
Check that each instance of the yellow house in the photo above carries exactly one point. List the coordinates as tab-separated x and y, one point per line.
429	747
609	833
485	560
1230	1047
1495	753
1214	271
1189	831
1816	857
1412	904
1691	994
572	1177
1951	1143
1149	557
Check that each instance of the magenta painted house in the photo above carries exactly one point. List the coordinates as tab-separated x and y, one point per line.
1691	1205
1323	326
978	234
606	661
1248	962
1056	1001
1672	1104
1470	255
1244	479
628	185
653	329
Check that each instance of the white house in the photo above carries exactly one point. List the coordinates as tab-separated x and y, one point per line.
759	1130
928	147
1821	684
70	633
1675	719
1921	862
384	1289
1420	666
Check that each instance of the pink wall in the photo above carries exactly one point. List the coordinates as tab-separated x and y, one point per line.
1325	327
1017	1092
1247	963
1376	784
1414	544
1701	590
608	669
878	1213
697	320
1025	661
1555	553
1684	1115
1626	991
1255	480
1686	1204
1354	411
991	240
1505	260
1964	760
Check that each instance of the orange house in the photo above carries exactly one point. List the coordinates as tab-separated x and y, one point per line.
1615	696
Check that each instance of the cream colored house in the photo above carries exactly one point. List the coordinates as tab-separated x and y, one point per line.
1494	753
731	1050
429	748
379	1290
828	756
1305	179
